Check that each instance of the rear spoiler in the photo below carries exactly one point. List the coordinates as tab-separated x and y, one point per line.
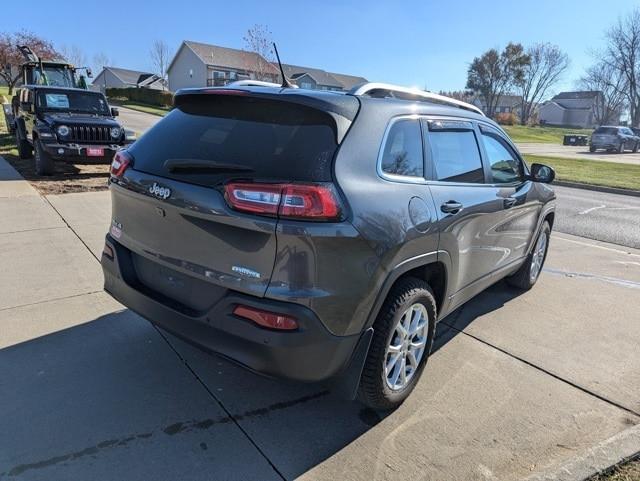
342	108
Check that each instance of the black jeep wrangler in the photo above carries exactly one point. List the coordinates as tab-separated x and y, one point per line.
66	124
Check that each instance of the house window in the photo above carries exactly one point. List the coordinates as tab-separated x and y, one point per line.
306	85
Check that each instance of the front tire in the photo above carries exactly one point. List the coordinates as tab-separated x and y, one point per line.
635	147
592	149
401	344
44	162
525	277
24	147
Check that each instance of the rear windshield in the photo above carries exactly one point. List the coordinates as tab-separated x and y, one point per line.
210	139
606	130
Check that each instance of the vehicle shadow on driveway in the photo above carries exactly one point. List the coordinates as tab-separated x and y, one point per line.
117	399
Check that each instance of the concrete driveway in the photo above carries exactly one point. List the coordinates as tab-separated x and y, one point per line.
577	152
517	383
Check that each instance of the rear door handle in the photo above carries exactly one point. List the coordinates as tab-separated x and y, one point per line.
451	207
509	202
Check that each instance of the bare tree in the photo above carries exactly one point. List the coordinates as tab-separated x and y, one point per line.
623	55
258	39
546	65
612	83
160	56
74	55
11	58
494	73
101	60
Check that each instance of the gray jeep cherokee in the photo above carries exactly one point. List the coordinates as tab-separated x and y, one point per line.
320	236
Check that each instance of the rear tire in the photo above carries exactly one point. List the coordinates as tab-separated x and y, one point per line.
24	147
529	272
405	323
44	162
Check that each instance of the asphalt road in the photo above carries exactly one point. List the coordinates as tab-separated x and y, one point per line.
605	217
577	152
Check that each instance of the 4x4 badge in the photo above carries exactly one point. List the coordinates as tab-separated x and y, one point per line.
159	191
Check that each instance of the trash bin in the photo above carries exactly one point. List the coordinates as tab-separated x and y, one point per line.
575	139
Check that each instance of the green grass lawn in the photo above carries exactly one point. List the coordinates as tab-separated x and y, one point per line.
595	172
553	135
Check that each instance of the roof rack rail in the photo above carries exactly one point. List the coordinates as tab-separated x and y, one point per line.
254	83
407	93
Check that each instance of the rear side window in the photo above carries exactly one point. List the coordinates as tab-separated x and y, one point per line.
402	153
211	139
606	131
455	152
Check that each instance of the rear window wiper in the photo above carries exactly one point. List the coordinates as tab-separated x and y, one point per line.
201	166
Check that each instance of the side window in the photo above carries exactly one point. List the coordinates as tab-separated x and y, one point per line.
402	153
506	168
455	152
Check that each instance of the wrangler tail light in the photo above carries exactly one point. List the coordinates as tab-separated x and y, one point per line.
121	161
294	201
267	319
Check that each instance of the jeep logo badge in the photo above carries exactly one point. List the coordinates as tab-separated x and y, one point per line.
159	191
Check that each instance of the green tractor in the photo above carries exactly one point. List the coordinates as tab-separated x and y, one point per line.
56	73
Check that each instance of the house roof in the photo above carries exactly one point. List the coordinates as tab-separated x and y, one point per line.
578	95
322	77
348	81
227	57
133	77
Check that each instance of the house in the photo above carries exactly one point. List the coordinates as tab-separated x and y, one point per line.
198	64
114	77
318	79
507	104
202	65
574	109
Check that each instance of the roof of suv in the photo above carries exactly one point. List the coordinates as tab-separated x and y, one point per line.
341	103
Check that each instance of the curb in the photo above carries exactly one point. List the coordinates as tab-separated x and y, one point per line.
595	460
597	188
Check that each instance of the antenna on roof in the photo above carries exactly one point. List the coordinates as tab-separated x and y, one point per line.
285	80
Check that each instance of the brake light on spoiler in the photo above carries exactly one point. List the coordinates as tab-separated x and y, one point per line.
318	202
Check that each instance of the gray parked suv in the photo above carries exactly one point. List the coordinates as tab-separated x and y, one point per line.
320	236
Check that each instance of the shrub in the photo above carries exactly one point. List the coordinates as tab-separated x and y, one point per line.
161	98
506	118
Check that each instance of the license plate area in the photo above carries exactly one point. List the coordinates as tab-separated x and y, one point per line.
95	152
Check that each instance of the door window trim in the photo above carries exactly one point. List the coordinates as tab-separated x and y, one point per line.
511	147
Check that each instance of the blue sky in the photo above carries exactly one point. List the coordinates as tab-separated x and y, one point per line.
424	43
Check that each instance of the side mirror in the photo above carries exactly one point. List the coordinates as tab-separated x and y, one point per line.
89	73
27	107
114	112
542	173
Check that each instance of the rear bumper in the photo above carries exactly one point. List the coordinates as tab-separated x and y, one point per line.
77	153
309	354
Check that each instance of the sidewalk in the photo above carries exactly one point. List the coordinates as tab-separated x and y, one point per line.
517	383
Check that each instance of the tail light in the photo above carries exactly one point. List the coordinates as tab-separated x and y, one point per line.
267	319
295	201
121	161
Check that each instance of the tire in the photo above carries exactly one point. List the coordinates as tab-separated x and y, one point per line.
621	148
44	162
592	149
24	147
375	388
526	277
635	147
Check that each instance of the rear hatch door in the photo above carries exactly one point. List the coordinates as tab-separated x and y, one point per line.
169	209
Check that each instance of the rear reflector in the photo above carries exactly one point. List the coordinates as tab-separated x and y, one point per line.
121	161
107	251
296	201
267	319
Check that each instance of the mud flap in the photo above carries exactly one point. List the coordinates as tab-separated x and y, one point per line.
345	385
